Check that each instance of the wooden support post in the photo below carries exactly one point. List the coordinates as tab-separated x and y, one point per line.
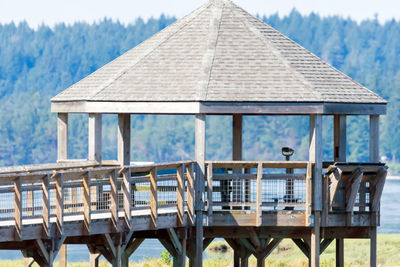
180	175
237	125
124	139
127	195
28	262
62	136
94	259
18	208
95	137
259	195
339	138
59	203
373	247
315	156
236	259
303	246
87	207
153	197
339	252
46	206
352	187
209	194
63	256
190	194
315	241
114	199
130	248
374	138
200	156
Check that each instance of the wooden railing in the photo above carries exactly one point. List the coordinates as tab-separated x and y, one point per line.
258	187
86	192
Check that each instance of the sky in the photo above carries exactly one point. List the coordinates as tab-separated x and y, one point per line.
49	12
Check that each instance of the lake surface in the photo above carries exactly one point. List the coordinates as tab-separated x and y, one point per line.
390	224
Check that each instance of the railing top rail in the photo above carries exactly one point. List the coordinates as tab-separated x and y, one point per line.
254	164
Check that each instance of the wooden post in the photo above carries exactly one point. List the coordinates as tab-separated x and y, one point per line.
59	203
62	136
373	157
86	202
114	199
339	153
94	259
315	157
180	174
46	206
18	207
127	195
124	139
63	256
259	194
339	138
237	125
95	137
200	151
339	252
153	197
190	194
209	194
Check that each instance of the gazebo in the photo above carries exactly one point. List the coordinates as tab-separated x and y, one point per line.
220	60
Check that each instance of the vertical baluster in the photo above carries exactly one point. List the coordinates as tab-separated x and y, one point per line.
210	193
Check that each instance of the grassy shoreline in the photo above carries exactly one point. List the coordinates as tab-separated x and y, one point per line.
286	254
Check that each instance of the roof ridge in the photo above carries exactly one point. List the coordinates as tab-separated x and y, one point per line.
285	62
195	14
209	55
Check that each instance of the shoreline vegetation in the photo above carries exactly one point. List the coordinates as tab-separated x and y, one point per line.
219	254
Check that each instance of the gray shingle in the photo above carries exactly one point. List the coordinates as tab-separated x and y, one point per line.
219	52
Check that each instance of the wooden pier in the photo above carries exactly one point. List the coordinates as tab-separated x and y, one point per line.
218	60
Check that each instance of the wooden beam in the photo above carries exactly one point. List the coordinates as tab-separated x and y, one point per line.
271	246
110	245
180	177
377	188
190	194
255	239
62	136
153	197
18	207
59	203
63	256
339	138
114	199
207	242
175	240
325	244
237	125
302	246
315	156
168	246
373	247
374	138
94	259
248	245
43	251
132	246
335	178
200	157
95	137
124	139
352	187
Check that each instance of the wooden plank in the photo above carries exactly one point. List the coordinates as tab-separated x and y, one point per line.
335	178
110	245
127	195
59	203
315	156
87	207
180	174
254	164
209	194
247	245
339	138
46	206
325	244
373	247
302	246
46	167
352	188
18	208
200	156
309	194
43	251
259	195
237	125
124	139
95	137
63	256
153	197
62	136
270	176
271	246
374	138
114	199
132	246
175	240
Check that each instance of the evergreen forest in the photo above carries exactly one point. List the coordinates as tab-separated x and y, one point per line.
36	64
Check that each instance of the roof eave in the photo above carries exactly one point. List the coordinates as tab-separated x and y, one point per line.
196	107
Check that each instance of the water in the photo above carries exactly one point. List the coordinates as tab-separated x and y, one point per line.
390	224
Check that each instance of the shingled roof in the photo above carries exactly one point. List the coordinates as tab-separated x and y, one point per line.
219	53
